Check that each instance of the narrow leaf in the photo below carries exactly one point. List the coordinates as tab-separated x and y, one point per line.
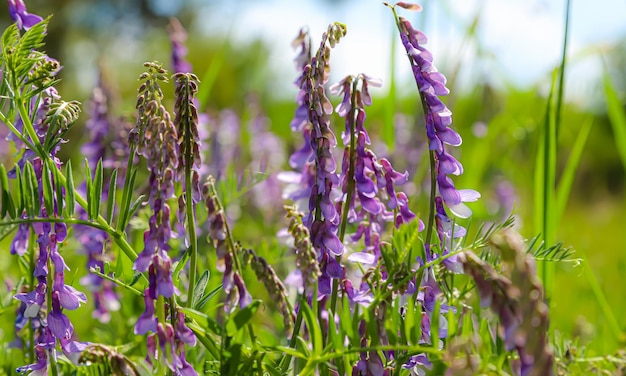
70	191
241	318
97	190
567	177
89	194
60	199
20	199
198	291
7	200
617	117
111	198
205	299
315	332
203	320
46	181
29	191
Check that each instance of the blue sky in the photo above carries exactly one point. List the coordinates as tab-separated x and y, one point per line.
520	39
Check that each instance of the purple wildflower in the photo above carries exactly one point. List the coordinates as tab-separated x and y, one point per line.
24	20
313	119
431	85
367	182
178	37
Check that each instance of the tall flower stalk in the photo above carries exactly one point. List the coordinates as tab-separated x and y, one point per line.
157	142
438	118
189	162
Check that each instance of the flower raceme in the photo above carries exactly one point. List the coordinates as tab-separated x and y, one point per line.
431	85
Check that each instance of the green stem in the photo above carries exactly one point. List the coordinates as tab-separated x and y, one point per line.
31	252
284	362
50	281
126	193
191	218
410	276
160	312
433	193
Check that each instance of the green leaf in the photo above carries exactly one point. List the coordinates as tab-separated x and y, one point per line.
315	333
70	191
89	194
617	117
198	291
32	39
111	198
46	181
20	199
10	37
7	230
31	197
129	182
203	320
97	191
241	318
205	299
58	188
8	206
135	206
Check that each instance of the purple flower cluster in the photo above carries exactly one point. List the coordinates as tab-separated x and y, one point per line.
372	179
49	296
24	20
52	292
315	159
157	136
158	143
178	36
232	283
431	85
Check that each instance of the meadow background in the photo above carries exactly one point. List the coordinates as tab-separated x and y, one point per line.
499	58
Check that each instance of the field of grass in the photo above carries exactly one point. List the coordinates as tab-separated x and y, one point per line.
173	245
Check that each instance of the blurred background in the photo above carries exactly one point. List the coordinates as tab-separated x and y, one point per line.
498	56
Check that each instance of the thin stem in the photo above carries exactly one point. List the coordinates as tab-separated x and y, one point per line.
127	187
386	294
191	218
433	193
160	312
284	362
31	252
50	282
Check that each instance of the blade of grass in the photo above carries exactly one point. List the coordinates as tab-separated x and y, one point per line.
567	177
617	117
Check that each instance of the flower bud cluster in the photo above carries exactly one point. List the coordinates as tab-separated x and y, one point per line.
306	258
431	84
232	282
274	286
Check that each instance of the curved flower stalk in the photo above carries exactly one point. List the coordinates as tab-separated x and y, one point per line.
308	270
189	163
274	286
227	251
316	161
438	118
